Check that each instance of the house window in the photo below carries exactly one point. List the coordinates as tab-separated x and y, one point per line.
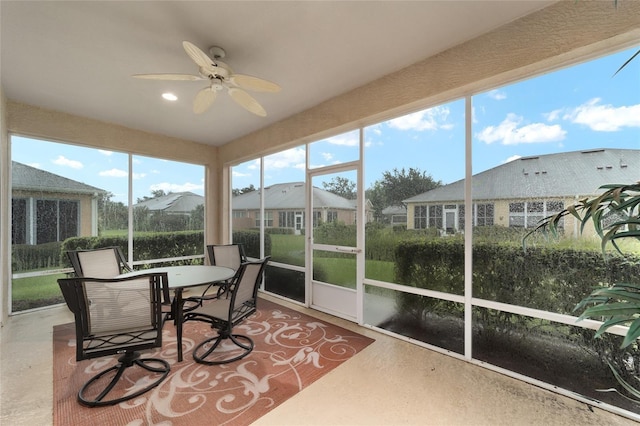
268	219
535	213
516	215
554	207
317	218
55	220
420	217
287	219
435	217
19	220
483	215
528	214
332	216
237	214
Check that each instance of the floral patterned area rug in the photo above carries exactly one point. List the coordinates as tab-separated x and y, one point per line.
292	350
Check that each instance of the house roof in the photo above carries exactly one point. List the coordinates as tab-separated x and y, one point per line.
567	174
290	196
395	210
175	202
27	178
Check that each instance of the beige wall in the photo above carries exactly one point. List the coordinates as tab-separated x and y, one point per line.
5	230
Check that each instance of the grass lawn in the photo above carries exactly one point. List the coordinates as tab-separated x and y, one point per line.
43	287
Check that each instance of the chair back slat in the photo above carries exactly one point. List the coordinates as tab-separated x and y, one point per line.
227	255
245	287
106	262
247	283
119	305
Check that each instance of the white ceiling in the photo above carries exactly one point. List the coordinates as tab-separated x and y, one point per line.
78	57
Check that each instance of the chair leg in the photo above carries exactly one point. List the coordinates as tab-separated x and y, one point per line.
215	342
125	361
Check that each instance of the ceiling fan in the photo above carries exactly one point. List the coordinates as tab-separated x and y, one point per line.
220	76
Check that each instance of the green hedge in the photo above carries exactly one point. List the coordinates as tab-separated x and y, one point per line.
550	279
147	247
25	257
160	245
251	241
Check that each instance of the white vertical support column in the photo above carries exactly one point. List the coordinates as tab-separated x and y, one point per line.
94	215
130	201
262	212
361	224
308	229
468	231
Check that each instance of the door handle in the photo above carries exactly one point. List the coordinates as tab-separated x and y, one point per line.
354	250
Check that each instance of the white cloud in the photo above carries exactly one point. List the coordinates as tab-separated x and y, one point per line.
293	157
118	173
113	173
428	119
350	139
104	152
327	156
497	95
175	187
35	165
63	161
509	133
553	115
512	158
604	118
255	165
235	173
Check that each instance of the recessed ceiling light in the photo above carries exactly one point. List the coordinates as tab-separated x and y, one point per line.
170	96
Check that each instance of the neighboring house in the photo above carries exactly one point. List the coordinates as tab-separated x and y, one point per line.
174	203
395	215
46	207
521	192
284	206
368	209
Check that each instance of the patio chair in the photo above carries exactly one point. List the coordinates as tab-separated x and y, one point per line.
109	262
105	262
105	327
227	255
225	313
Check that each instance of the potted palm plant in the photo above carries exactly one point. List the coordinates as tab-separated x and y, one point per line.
615	216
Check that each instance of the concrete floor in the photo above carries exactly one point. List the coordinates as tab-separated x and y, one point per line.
391	382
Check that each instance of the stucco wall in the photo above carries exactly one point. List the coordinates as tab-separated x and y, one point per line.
5	231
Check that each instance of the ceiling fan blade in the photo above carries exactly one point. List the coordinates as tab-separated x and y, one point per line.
204	99
186	77
198	56
253	83
247	102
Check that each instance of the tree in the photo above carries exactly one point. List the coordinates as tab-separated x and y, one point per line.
341	186
398	185
156	193
111	215
236	191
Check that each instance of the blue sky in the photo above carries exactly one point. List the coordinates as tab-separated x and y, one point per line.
580	107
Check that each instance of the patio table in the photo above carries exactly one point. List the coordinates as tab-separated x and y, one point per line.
181	277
